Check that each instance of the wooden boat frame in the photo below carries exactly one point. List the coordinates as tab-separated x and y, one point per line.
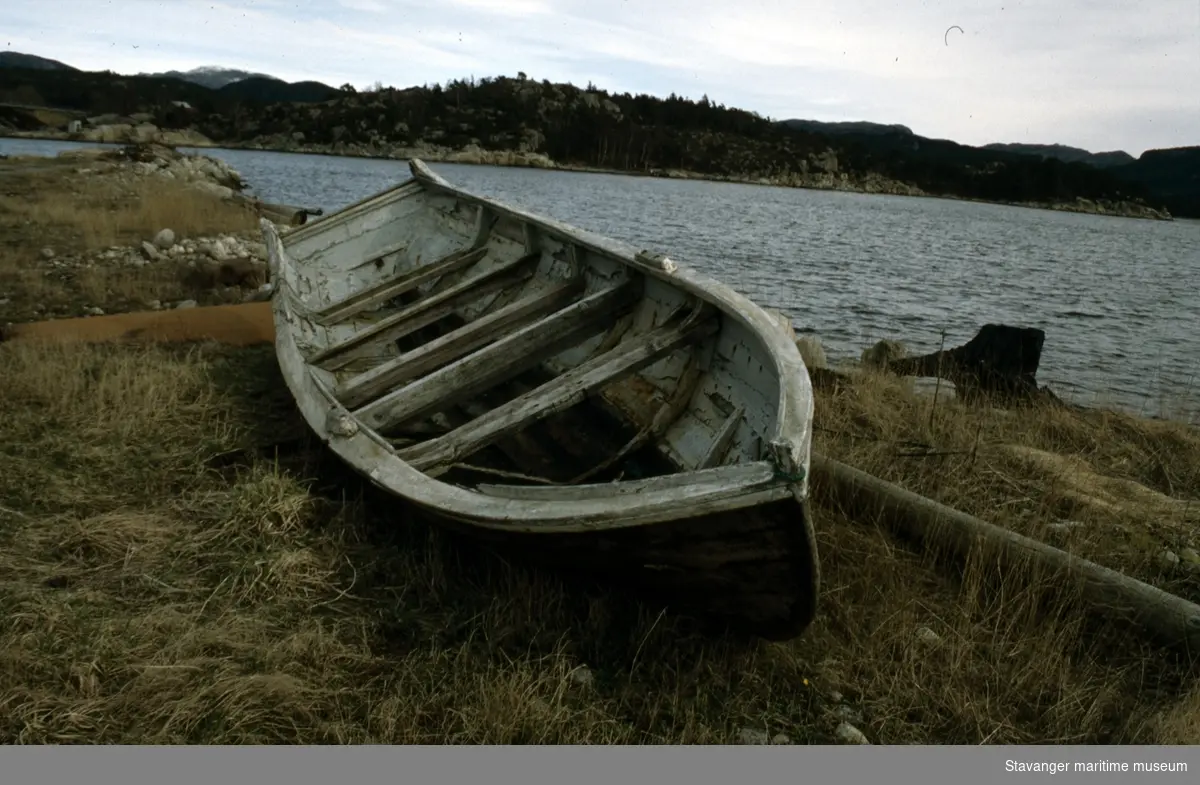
416	383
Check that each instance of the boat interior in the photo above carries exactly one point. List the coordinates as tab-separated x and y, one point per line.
497	353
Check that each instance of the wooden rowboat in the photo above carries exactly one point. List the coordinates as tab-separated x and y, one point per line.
557	393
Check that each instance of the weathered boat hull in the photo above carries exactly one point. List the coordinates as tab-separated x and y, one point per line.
433	355
753	569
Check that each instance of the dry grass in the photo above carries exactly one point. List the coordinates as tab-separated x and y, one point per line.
175	567
166	575
42	207
1124	488
97	212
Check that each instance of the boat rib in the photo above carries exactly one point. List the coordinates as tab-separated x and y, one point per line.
554	396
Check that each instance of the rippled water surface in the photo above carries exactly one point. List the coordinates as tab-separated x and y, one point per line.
1118	298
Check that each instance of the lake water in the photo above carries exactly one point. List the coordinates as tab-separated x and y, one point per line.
1118	298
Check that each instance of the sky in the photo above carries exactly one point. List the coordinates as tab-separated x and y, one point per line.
1097	74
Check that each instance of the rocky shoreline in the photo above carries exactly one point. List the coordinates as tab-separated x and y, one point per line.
826	178
192	268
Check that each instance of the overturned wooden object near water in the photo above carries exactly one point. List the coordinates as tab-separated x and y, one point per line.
284	214
558	394
1001	361
1165	617
287	214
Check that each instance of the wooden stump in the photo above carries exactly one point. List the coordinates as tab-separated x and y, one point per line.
1000	362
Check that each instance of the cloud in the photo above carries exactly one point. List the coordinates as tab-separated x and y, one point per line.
1100	74
369	6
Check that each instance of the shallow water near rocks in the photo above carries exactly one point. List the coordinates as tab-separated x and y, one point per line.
1116	296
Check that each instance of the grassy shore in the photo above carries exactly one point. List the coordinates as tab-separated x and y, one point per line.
180	564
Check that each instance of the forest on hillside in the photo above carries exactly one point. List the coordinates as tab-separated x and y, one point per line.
591	127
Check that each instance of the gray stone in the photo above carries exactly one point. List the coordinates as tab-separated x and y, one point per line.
583	676
928	636
753	736
848	734
150	251
847	714
164	239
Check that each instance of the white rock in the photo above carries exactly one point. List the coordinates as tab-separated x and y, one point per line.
928	636
836	697
848	734
164	239
47	253
219	191
1168	559
847	714
215	249
185	304
781	738
155	305
582	676
150	251
261	294
92	310
753	736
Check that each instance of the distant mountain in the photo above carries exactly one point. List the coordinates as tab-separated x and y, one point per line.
848	127
21	60
242	85
103	92
214	77
268	89
1172	175
1066	154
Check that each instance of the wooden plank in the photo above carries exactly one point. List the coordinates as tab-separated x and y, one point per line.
453	345
559	394
737	474
395	286
401	323
367	351
722	439
664	418
501	360
485	220
382	253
